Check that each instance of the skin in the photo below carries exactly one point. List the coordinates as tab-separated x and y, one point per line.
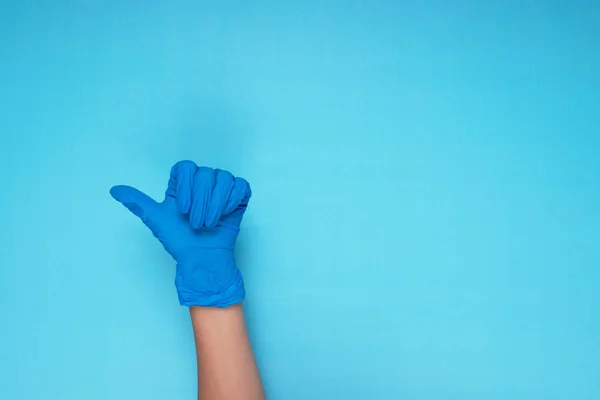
214	201
226	366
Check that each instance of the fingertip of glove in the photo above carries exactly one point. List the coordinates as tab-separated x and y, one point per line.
123	194
195	224
211	224
247	190
117	192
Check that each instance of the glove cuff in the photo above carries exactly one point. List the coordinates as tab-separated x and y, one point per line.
212	280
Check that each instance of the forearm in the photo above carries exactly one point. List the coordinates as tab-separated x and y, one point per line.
198	223
226	366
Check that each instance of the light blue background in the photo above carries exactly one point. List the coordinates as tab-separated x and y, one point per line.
425	223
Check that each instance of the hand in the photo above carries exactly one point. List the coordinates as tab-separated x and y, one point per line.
197	223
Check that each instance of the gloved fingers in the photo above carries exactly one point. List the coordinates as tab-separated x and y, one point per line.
204	183
181	183
223	186
239	196
137	202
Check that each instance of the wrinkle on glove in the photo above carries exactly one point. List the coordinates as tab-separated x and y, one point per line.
198	224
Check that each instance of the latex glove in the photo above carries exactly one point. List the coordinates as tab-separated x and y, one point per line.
198	224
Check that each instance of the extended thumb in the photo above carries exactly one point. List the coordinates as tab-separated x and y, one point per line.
137	202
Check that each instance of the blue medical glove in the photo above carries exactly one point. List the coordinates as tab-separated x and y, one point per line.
197	223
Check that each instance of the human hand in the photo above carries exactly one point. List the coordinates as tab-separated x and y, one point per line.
198	224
